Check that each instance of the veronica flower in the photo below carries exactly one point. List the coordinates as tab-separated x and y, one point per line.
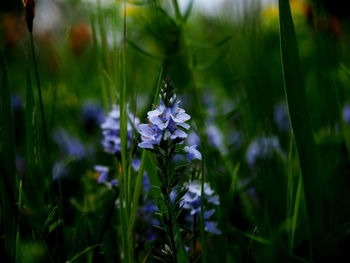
146	213
69	145
281	117
167	122
192	202
192	153
216	138
214	135
263	148
346	113
92	114
164	134
59	170
16	103
164	123
111	130
104	175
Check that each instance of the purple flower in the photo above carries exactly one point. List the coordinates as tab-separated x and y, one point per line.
346	113
164	123
192	201
104	174
69	145
263	148
146	184
16	103
214	135
92	114
193	138
59	170
192	153
111	131
281	117
212	228
146	213
135	163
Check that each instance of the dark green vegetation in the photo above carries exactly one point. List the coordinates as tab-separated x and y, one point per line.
284	198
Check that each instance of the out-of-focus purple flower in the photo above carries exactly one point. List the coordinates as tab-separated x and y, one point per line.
263	148
135	163
59	170
103	171
215	138
214	135
346	113
212	227
281	117
16	102
92	114
146	213
146	184
104	174
192	201
69	145
20	164
193	139
236	139
111	130
192	153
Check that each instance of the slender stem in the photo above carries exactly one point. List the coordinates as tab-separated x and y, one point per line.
18	236
204	246
171	228
177	10
169	206
46	141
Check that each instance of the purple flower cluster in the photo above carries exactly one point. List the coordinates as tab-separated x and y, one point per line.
346	113
214	135
111	130
104	175
167	122
263	148
192	202
69	145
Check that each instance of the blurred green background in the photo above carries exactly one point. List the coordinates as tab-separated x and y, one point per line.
224	58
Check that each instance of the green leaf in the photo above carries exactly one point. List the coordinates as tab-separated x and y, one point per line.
218	44
143	52
30	120
82	253
301	123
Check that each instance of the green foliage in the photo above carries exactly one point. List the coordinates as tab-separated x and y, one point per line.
232	67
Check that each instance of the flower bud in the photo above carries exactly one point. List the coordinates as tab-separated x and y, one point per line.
29	6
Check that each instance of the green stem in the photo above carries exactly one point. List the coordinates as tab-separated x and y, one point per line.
171	218
46	141
204	247
177	10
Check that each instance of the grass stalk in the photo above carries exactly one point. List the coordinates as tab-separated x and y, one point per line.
41	105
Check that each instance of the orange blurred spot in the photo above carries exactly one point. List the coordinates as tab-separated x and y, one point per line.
80	37
13	31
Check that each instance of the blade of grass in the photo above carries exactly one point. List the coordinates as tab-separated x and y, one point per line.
138	186
41	105
30	119
125	188
301	123
203	240
9	181
77	256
